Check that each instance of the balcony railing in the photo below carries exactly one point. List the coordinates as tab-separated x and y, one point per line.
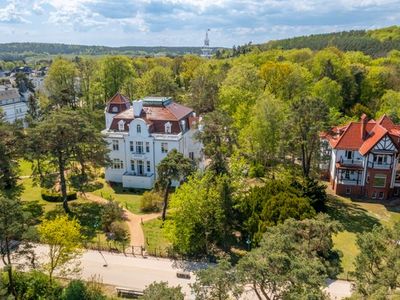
137	174
349	181
351	162
376	165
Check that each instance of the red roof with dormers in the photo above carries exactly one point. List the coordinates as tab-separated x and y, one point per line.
118	103
157	116
350	136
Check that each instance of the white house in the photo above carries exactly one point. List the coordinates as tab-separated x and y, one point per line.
12	104
141	133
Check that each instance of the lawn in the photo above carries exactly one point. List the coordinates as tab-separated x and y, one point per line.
129	200
156	241
356	217
25	167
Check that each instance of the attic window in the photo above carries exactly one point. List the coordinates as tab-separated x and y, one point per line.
114	109
121	125
168	126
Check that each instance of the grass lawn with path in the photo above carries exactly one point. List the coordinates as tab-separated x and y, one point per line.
356	217
128	200
156	240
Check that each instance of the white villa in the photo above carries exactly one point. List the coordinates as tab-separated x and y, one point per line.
12	104
141	133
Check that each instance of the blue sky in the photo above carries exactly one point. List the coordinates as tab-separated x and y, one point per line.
183	22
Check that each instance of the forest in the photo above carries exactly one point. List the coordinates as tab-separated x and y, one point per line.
377	43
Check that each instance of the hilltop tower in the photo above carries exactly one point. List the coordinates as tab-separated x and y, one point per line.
206	50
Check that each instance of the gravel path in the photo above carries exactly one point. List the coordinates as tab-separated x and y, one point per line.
134	221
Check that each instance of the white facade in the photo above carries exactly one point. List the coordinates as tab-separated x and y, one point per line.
12	104
135	152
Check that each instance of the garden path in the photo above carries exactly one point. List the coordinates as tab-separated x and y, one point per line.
134	221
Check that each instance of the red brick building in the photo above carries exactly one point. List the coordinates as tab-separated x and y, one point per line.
362	158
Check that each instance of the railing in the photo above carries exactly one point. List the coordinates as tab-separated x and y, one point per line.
137	174
351	162
376	165
349	181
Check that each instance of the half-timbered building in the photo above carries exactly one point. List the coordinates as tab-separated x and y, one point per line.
362	158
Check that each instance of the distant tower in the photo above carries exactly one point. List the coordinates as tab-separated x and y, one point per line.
206	50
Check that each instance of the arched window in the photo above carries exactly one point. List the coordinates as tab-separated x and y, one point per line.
121	125
138	128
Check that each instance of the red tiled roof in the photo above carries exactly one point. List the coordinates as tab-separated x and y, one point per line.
157	116
117	104
350	137
374	136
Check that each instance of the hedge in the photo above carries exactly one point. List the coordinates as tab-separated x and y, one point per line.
51	196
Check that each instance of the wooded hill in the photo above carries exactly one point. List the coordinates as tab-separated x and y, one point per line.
376	43
20	51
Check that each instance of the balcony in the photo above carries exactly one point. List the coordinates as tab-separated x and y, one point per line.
351	162
138	181
379	165
349	181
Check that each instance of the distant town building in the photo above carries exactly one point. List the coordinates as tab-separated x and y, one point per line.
206	51
12	104
362	158
141	133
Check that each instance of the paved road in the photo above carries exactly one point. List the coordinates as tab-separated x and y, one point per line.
138	272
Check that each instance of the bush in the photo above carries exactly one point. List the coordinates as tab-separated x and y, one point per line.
119	233
35	286
80	290
52	196
112	212
150	202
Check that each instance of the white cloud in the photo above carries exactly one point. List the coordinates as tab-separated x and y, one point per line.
13	12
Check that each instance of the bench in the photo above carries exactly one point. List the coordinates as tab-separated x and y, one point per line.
184	275
128	293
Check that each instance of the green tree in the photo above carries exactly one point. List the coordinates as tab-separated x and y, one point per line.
60	84
10	150
112	211
197	225
239	91
158	81
389	105
161	290
12	227
293	261
172	167
86	69
262	137
309	116
216	282
67	141
377	266
218	137
63	237
24	84
329	91
116	73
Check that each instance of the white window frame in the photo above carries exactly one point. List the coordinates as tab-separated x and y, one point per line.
131	146
168	127
115	145
117	164
164	147
349	153
138	128
147	147
148	166
139	147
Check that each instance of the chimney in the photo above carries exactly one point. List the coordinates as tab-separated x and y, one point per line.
364	121
137	107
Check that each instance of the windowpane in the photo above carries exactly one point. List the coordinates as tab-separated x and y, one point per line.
380	180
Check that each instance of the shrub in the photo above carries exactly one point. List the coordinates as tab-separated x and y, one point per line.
119	233
150	202
80	290
36	285
52	196
112	212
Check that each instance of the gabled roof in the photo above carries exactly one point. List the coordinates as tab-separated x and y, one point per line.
118	103
352	137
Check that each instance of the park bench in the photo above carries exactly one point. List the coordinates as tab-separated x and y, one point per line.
128	293
185	275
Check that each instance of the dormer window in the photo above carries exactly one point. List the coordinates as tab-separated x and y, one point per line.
183	124
121	125
168	127
138	128
114	109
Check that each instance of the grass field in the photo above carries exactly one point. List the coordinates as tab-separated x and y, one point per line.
129	200
156	240
356	217
25	168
